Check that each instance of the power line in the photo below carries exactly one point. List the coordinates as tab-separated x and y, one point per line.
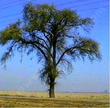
81	10
63	8
84	4
10	15
81	5
63	4
7	3
76	3
90	9
5	19
15	3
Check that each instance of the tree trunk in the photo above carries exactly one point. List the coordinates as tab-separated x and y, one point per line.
51	91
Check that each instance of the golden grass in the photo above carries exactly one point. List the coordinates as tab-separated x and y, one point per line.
28	100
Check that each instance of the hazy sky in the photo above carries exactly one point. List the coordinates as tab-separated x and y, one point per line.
86	76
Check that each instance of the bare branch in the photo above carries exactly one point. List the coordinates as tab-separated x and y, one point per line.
66	51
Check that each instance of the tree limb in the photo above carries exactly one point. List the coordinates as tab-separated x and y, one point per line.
67	50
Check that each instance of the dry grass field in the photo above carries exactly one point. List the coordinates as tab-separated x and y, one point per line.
67	100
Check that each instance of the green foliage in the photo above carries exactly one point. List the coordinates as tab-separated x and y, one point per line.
84	47
13	32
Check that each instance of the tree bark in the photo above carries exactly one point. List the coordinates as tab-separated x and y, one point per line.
51	91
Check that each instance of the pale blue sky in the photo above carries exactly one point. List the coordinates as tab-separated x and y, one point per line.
86	76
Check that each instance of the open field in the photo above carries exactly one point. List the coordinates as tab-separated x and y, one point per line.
67	100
